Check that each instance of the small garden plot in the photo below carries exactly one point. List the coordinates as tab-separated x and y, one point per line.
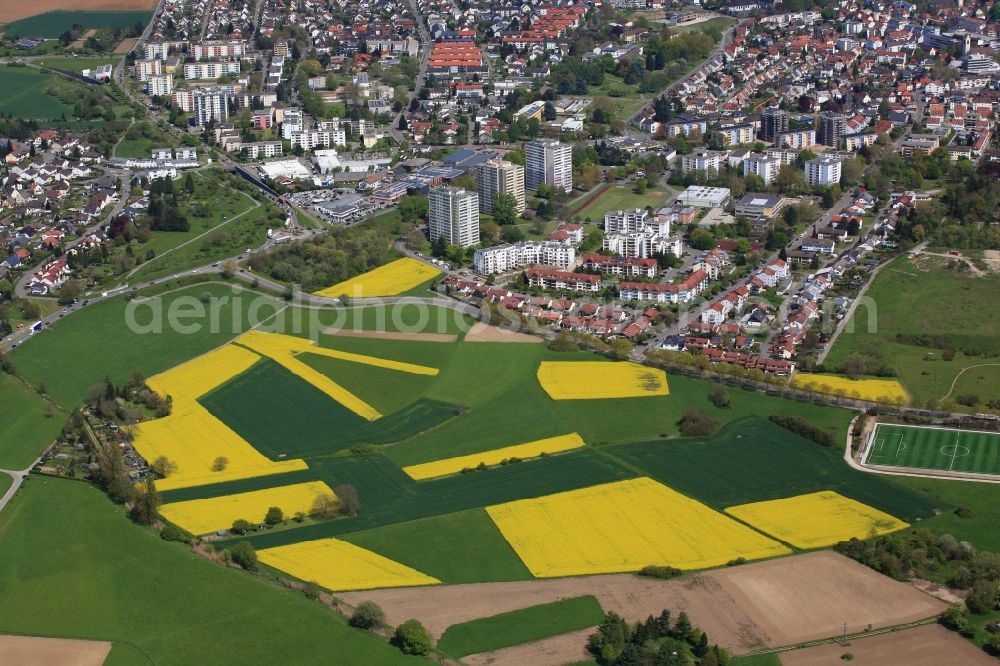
338	565
592	380
817	519
391	279
623	526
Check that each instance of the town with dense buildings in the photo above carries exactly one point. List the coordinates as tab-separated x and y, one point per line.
718	191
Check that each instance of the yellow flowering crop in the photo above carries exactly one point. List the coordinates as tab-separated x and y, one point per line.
218	513
389	280
817	519
190	437
623	526
455	465
339	566
283	349
881	390
587	380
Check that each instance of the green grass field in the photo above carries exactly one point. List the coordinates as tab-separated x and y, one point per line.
27	427
395	318
461	547
5	483
980	504
77	352
621	197
521	626
25	95
934	448
753	460
923	309
53	24
63	540
770	659
71	64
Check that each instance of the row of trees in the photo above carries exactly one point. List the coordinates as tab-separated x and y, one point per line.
658	640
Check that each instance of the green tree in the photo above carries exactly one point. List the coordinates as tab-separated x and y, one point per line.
274	515
505	209
241	526
412	638
189	184
640	186
702	239
682	627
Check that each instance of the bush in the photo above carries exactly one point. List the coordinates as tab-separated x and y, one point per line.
244	555
666	573
803	428
240	526
368	615
696	424
720	397
412	638
174	533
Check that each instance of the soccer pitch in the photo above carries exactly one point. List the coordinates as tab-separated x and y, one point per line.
894	445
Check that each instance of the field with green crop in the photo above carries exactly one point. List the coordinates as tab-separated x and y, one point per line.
53	24
394	318
81	350
927	311
25	95
386	390
967	511
28	424
521	626
461	547
71	64
754	460
62	540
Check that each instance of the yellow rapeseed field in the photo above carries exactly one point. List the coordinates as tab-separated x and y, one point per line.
190	437
218	513
340	566
881	390
588	380
284	348
389	280
455	465
623	526
817	519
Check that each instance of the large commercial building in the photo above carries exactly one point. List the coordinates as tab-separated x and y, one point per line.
548	162
824	170
773	121
453	214
832	126
499	177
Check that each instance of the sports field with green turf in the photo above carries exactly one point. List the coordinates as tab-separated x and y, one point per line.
894	445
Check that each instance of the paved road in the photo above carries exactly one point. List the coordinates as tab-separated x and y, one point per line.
18	476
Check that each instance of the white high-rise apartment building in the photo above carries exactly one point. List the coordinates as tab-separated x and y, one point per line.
503	258
499	177
765	166
824	170
211	103
453	214
160	85
550	162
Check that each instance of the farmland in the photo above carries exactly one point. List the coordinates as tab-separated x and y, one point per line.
582	380
80	351
924	308
25	94
623	526
816	519
29	21
516	452
521	626
391	279
203	612
878	390
28	425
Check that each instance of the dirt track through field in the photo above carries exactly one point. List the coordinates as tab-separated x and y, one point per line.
930	645
37	651
747	608
390	335
481	332
15	10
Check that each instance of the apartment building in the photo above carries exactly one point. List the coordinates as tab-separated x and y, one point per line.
832	126
159	85
144	69
499	177
765	166
703	160
503	258
773	121
549	162
453	214
823	171
735	134
796	139
210	70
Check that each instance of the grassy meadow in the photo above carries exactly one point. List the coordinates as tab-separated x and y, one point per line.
25	95
28	424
